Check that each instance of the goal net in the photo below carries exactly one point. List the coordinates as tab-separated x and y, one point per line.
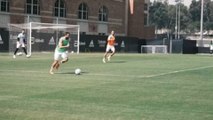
43	37
154	49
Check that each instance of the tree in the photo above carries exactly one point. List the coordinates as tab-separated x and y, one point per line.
163	16
172	17
158	15
185	17
208	15
211	10
195	13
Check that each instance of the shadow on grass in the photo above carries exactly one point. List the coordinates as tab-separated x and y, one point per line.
71	73
117	62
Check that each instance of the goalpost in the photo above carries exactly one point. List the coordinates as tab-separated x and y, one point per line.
43	37
154	49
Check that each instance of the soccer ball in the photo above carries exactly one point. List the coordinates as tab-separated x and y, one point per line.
77	71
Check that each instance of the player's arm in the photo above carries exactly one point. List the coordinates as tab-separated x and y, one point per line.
18	38
61	44
109	38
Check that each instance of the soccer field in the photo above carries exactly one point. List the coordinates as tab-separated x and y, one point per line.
129	87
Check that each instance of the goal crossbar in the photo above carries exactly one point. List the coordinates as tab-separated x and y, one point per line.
46	25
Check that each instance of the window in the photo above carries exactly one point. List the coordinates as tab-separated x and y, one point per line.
145	19
83	11
32	7
60	9
145	7
102	34
103	14
4	5
83	33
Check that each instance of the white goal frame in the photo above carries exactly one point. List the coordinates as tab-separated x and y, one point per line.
154	49
35	26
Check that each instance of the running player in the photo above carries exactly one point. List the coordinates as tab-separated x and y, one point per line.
61	51
110	47
21	40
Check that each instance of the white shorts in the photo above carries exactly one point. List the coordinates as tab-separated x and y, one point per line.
60	55
19	44
110	47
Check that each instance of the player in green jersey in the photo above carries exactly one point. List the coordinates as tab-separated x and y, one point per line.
61	51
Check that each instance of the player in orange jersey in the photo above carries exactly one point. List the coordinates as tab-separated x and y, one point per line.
110	47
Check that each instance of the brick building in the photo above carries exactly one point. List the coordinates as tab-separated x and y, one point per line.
95	17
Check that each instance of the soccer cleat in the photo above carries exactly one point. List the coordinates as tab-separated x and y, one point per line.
51	72
27	56
63	61
104	61
108	58
14	56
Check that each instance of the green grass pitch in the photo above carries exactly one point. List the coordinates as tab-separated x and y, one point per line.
129	87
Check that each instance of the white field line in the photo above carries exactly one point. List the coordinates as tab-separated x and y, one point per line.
178	71
155	75
111	75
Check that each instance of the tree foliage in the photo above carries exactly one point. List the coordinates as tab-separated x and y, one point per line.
163	15
158	15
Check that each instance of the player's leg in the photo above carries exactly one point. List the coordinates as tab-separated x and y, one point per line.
24	49
105	56
113	51
56	62
57	66
112	48
64	57
64	60
16	51
17	48
106	53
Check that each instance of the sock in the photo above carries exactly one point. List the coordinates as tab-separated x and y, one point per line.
25	51
16	51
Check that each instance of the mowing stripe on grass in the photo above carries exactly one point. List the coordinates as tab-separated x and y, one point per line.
130	76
